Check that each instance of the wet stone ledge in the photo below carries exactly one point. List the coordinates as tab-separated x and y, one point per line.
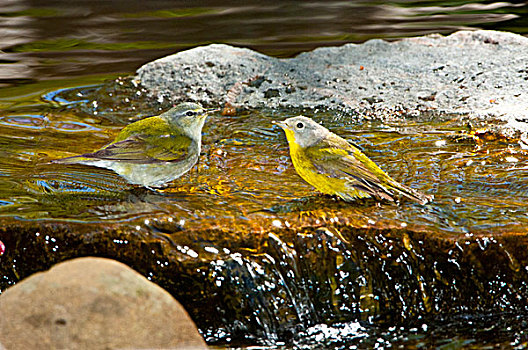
269	284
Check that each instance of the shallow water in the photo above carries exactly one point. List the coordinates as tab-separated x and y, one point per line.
245	171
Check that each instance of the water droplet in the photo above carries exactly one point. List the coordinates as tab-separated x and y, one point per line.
211	250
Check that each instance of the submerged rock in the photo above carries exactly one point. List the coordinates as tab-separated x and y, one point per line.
481	73
93	303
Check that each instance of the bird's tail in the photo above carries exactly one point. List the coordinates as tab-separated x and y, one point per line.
68	160
411	193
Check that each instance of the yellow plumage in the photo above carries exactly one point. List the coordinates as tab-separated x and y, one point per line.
335	167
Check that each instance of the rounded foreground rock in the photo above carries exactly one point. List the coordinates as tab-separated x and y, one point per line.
93	303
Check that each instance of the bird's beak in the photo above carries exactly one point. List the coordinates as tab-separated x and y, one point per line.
212	110
282	124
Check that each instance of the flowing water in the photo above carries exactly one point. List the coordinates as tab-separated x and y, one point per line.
261	258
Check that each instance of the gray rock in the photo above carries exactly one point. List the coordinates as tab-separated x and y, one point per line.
93	303
480	73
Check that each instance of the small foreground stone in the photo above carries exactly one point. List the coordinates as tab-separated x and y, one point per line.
93	303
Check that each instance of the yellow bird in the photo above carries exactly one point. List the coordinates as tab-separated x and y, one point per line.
335	167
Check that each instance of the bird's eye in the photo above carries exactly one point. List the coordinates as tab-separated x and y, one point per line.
190	113
299	125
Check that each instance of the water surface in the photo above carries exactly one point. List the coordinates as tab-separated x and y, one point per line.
245	170
59	38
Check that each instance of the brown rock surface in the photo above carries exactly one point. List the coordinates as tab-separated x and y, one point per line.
93	303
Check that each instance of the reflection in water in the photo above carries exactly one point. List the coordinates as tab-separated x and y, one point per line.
15	30
60	38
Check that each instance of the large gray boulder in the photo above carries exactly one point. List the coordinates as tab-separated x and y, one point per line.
93	303
481	73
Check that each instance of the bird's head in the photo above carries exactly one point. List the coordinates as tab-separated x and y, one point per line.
189	117
302	131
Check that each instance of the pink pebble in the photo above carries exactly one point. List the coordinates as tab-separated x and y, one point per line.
2	248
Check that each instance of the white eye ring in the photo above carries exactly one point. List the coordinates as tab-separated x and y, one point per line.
299	125
190	113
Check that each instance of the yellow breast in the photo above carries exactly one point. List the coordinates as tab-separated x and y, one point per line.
305	168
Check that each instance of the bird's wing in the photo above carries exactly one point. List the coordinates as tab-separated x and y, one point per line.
338	159
145	149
